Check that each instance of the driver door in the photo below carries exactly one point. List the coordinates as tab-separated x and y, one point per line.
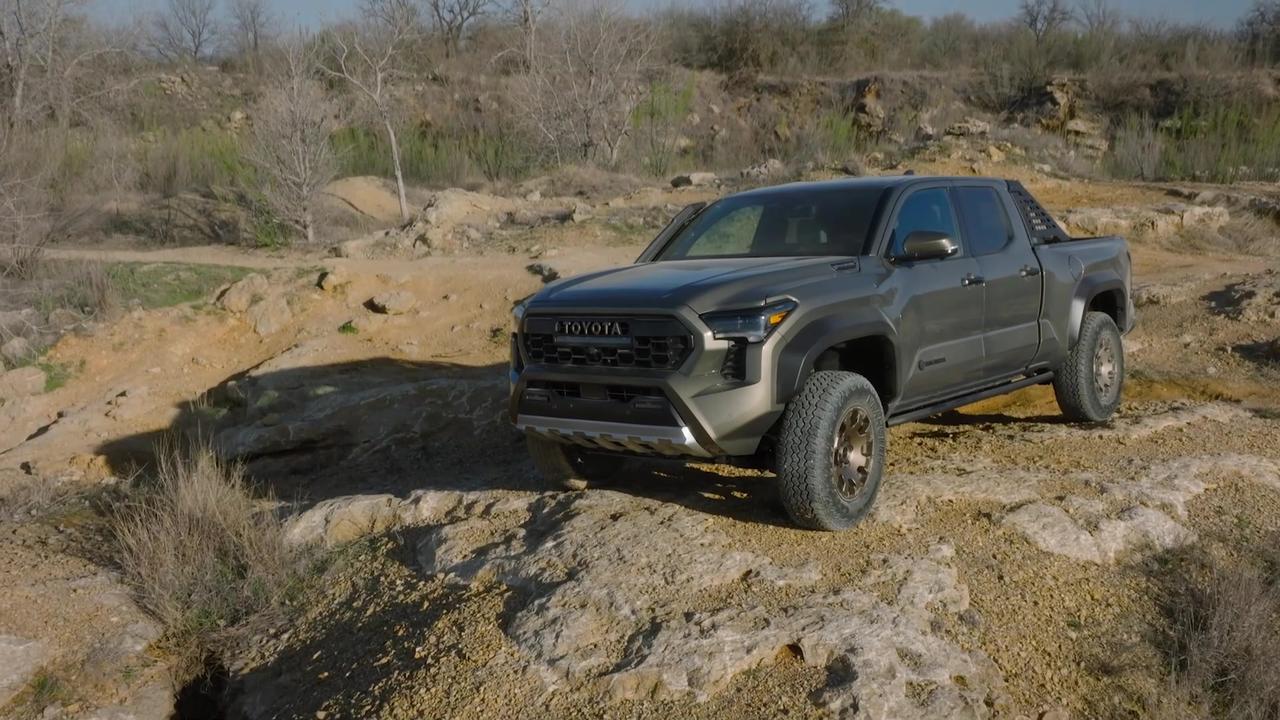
940	314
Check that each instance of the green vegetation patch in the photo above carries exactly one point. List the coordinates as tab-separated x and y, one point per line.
158	285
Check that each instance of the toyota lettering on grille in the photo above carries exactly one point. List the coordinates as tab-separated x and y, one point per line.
590	328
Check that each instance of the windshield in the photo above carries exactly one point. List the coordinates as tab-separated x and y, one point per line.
786	223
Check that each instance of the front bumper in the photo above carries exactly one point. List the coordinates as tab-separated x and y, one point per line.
618	437
701	409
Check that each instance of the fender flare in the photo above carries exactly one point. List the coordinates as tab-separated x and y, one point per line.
1089	288
798	354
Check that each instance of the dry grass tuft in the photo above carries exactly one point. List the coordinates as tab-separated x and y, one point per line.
1226	644
206	558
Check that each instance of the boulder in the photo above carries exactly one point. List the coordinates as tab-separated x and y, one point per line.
269	316
333	279
926	133
17	350
544	271
968	127
64	319
763	170
395	302
694	179
15	323
243	293
21	383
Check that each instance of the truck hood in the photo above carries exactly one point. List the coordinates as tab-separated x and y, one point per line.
703	285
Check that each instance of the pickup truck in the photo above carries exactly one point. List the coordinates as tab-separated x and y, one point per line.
788	326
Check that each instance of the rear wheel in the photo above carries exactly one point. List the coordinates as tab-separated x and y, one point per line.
569	467
1089	383
831	451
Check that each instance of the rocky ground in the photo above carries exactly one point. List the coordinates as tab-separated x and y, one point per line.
1015	565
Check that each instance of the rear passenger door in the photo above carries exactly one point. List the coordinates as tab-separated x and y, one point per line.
1011	272
940	317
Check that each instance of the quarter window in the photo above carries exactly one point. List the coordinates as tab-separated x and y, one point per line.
923	210
987	229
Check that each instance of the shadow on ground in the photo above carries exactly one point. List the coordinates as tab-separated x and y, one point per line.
320	431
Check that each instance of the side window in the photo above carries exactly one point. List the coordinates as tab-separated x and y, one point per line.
987	229
923	210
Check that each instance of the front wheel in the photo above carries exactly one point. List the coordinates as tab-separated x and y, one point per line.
1089	383
831	451
566	467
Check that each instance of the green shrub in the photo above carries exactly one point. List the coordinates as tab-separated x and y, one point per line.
426	157
1221	143
658	120
193	160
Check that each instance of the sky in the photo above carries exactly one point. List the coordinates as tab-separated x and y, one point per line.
1218	13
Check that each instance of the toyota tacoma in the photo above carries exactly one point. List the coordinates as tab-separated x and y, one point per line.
788	326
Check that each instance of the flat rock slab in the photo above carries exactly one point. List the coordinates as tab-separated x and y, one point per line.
20	659
604	580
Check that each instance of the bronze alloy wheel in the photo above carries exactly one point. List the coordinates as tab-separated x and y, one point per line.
1105	369
852	453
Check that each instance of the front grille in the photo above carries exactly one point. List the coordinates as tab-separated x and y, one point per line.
649	344
627	393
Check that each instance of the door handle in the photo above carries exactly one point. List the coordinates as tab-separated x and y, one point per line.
1029	271
971	279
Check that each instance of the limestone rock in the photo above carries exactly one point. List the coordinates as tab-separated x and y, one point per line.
694	179
763	170
269	316
395	302
20	658
544	271
342	421
17	350
333	279
21	383
968	127
243	293
19	323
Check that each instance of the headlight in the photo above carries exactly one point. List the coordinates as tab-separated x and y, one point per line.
517	314
752	325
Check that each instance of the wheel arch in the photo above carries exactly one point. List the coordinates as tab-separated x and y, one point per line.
1105	294
868	348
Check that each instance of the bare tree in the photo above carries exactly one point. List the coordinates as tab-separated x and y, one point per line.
1260	31
451	17
368	58
289	145
30	34
527	14
1099	17
1043	17
851	13
22	209
185	30
254	26
585	82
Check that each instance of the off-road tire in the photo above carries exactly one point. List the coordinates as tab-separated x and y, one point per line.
1082	395
808	478
565	467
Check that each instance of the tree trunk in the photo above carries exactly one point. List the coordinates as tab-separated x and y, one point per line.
309	226
395	162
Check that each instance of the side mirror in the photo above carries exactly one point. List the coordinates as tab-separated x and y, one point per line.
928	245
